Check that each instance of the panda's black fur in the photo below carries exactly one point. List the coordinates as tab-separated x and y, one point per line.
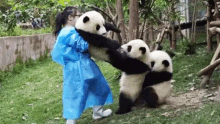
157	83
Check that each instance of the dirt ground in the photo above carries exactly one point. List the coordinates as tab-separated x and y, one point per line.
192	99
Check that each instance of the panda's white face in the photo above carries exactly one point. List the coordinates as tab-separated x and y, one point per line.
161	61
137	49
92	22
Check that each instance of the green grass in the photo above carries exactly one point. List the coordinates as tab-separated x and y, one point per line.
33	95
22	32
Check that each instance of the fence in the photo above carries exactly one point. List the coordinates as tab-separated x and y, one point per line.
23	48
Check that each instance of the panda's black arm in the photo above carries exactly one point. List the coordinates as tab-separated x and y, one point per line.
160	76
154	77
111	27
126	64
98	40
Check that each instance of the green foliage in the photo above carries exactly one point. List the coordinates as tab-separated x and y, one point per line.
25	11
183	45
21	32
8	20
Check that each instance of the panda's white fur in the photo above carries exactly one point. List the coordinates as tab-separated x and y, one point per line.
157	85
95	19
162	89
131	84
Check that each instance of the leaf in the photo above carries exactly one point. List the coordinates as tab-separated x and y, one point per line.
192	88
212	112
148	115
62	2
24	118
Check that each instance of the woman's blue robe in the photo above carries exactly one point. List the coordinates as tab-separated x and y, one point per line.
84	85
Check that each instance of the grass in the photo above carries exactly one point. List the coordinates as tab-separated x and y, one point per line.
33	95
22	32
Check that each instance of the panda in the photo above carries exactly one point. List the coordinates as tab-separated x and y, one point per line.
131	81
157	84
91	26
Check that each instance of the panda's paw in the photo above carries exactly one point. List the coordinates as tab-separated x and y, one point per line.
120	112
114	45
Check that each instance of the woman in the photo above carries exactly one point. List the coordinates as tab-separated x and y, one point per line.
84	85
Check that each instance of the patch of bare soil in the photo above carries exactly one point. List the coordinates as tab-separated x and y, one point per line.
192	99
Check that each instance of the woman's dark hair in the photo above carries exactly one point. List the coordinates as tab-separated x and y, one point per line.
62	18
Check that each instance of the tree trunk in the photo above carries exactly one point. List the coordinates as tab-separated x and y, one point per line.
173	29
173	37
151	33
170	38
119	11
193	29
145	37
133	20
209	67
209	37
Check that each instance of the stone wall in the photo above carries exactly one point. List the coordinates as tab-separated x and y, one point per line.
24	48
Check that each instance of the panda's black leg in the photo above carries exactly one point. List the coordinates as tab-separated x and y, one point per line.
150	96
125	104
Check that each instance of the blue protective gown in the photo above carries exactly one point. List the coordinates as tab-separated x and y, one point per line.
84	85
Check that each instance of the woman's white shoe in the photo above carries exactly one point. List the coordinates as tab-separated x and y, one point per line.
99	113
71	122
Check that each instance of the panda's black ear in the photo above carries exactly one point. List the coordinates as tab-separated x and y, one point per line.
166	63
143	49
85	19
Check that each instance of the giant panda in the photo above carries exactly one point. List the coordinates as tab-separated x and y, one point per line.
91	26
131	82
157	84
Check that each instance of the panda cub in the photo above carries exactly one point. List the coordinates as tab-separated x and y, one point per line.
91	26
131	83
157	84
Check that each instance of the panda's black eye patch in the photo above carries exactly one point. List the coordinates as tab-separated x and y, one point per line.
129	48
152	64
166	63
97	27
85	19
143	49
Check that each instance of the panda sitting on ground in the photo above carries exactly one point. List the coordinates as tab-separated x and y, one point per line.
131	82
157	84
91	26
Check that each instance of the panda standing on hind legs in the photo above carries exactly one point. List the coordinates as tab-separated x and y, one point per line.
157	84
133	75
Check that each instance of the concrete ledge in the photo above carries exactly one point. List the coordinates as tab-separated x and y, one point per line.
24	48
